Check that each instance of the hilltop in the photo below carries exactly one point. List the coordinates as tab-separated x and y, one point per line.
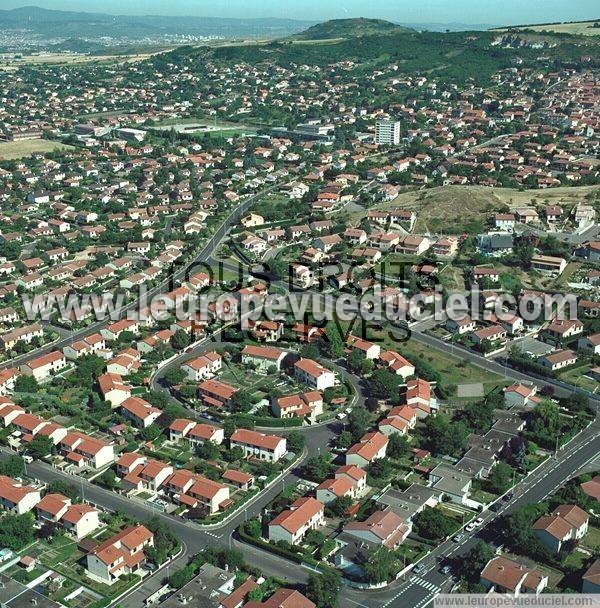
350	28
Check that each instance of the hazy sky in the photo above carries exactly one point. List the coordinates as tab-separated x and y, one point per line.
404	11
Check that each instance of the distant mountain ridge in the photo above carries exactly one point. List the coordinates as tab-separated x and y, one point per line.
350	28
71	24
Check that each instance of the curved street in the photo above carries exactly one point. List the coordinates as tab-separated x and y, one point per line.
417	591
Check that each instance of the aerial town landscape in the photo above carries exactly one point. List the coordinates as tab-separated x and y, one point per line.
298	313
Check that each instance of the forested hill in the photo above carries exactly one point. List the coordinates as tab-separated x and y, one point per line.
349	28
455	56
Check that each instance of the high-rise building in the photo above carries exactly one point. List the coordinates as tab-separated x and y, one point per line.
387	133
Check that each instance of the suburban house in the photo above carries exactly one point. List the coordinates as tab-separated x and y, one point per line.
566	523
203	367
263	357
82	450
383	528
282	598
418	395
332	489
461	326
591	579
520	395
140	412
450	481
45	366
216	393
368	349
77	520
313	374
371	447
567	328
301	405
503	575
558	359
16	497
396	363
292	524
548	264
259	446
197	492
119	555
590	344
113	389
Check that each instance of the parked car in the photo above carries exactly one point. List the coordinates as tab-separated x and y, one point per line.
458	537
508	496
470	527
478	521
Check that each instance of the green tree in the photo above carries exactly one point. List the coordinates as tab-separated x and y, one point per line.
397	446
333	345
344	440
445	437
315	537
13	466
476	560
324	589
546	424
40	446
180	340
378	566
359	420
433	524
26	384
500	477
384	384
341	505
89	368
479	416
295	442
209	451
16	531
253	527
165	542
317	468
108	479
241	402
175	376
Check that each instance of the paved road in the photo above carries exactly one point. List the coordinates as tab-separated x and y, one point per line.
416	592
420	590
178	273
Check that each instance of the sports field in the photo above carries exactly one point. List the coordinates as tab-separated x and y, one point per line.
10	150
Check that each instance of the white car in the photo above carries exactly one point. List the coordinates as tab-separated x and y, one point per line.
478	521
470	527
341	416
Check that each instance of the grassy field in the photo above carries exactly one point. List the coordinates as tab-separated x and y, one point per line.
585	28
16	60
10	150
460	209
577	377
453	370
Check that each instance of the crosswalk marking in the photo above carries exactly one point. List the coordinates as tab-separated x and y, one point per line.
426	584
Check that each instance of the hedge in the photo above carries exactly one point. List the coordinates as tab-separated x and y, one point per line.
298	558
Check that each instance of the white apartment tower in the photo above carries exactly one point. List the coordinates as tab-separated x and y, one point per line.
387	133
